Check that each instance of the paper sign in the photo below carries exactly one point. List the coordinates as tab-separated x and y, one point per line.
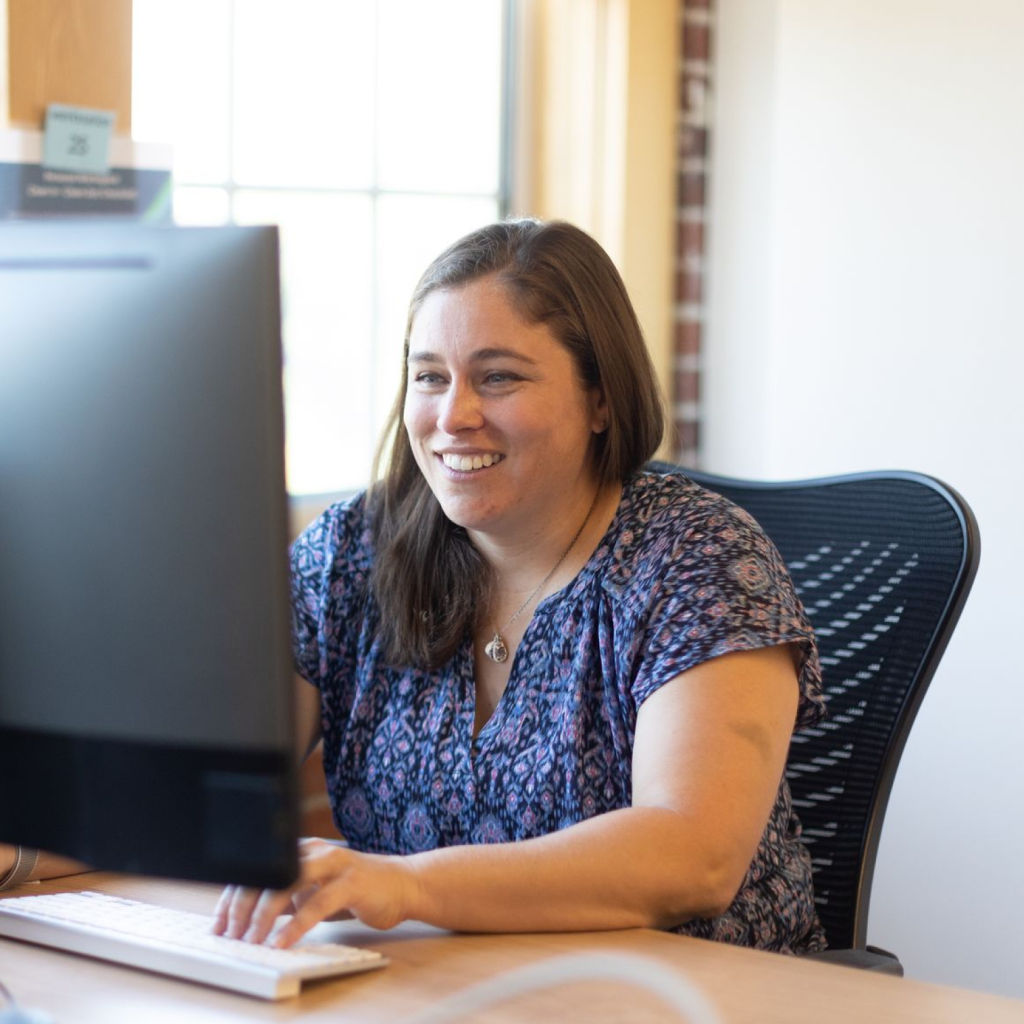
77	139
137	185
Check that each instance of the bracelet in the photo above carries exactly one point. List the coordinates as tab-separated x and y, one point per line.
24	861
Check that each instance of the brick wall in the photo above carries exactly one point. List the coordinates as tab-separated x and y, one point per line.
691	223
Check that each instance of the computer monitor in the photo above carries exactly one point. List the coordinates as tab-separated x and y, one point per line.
146	716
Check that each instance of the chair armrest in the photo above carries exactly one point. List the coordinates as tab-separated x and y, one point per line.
870	959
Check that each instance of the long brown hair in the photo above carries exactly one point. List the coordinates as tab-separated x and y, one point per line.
428	579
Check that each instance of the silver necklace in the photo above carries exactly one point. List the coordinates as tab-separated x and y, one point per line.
497	649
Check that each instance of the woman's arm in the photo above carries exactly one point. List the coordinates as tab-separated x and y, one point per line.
709	753
307	717
48	865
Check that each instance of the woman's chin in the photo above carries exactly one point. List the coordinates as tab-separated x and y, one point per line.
471	516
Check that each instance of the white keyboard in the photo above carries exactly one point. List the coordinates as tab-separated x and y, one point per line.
174	942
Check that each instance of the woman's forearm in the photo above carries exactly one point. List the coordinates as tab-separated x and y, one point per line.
48	865
637	867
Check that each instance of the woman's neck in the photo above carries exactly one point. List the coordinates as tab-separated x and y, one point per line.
561	549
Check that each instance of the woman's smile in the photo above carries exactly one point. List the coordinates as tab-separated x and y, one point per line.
469	463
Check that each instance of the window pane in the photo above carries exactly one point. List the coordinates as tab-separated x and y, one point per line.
440	95
369	130
201	205
180	83
411	231
304	108
327	309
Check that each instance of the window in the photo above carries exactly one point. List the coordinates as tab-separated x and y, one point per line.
371	132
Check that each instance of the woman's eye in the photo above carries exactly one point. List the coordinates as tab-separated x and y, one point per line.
500	377
427	377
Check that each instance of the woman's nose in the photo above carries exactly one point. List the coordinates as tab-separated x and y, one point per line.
460	409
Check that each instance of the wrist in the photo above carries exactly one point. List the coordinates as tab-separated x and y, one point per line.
20	869
416	903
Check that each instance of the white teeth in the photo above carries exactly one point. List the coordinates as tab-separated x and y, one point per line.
469	463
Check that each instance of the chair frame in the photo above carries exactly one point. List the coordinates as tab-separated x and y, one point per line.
740	491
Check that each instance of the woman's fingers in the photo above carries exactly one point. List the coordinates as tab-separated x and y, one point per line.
223	908
321	892
330	901
334	883
252	914
269	907
249	913
233	911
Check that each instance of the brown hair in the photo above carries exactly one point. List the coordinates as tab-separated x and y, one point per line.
428	578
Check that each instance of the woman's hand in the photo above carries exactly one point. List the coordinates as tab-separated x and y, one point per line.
334	883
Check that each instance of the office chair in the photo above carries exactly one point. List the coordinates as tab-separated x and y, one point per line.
883	563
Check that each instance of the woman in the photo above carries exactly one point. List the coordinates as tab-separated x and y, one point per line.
556	691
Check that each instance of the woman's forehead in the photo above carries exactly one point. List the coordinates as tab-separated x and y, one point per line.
477	316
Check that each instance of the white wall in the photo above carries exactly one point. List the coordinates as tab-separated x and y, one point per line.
866	310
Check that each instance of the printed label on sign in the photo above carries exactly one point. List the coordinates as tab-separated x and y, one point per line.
77	139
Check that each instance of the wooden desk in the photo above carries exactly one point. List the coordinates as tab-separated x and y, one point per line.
744	986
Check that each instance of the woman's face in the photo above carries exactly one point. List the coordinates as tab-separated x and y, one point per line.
499	421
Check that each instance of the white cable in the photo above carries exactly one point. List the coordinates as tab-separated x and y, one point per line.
671	986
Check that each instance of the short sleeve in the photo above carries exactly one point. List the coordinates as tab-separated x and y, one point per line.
329	567
720	586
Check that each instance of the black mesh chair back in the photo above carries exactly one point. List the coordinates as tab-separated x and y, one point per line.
883	563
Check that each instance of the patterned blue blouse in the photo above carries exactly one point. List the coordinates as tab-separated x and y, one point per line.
680	576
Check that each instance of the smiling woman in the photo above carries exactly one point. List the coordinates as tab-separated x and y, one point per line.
548	696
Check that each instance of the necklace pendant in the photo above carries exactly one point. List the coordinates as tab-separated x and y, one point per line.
496	649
